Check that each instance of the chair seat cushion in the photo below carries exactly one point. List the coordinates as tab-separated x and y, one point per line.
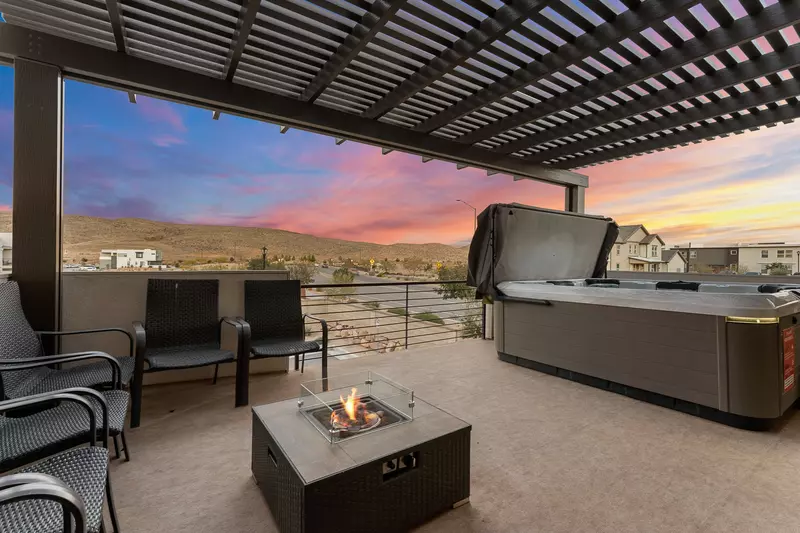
43	433
83	470
282	348
187	357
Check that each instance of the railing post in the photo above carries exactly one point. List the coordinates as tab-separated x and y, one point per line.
406	316
483	320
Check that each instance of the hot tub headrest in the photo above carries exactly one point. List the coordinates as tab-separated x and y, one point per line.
677	286
772	288
601	281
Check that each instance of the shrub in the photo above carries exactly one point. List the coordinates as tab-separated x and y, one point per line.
372	305
398	311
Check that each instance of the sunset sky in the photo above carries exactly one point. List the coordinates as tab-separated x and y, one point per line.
168	162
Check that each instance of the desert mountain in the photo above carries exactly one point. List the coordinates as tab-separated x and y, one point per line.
86	236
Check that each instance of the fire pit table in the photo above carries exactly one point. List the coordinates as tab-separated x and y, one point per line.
356	454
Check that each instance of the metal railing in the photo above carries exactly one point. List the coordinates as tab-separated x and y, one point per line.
385	317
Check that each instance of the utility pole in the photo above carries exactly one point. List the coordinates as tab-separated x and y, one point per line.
688	257
798	261
264	258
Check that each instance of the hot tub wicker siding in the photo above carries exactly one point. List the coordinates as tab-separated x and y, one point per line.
674	354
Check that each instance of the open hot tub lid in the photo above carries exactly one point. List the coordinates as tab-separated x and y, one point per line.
515	242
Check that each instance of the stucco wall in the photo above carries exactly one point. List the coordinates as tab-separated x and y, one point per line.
116	299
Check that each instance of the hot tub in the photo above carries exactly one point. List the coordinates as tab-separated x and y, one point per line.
724	351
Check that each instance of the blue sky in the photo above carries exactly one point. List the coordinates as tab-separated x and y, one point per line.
170	162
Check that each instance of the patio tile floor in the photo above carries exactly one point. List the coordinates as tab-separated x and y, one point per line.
548	455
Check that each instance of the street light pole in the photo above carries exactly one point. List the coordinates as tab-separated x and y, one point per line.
474	214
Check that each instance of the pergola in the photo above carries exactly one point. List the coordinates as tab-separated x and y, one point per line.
531	88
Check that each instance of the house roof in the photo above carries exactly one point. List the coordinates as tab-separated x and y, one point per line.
529	88
625	232
668	255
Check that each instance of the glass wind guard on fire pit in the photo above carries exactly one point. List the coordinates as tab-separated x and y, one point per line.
355	404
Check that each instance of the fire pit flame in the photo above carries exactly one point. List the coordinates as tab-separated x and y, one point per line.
354	415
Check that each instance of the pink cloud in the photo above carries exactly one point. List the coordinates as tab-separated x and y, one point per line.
165	141
5	208
385	199
160	111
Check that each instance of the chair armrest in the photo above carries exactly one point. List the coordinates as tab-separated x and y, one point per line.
23	487
89	331
10	365
75	395
322	323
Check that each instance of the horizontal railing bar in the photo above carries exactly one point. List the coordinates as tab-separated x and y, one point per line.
379	284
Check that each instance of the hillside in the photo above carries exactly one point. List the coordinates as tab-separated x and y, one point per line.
86	236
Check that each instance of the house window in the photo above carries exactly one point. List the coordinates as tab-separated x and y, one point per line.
734	252
619	247
139	255
631	249
654	250
764	254
784	254
617	266
693	254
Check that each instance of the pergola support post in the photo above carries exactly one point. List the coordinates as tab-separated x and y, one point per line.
37	198
575	199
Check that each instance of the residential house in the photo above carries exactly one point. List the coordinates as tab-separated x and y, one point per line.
5	253
672	261
711	259
145	258
757	257
638	250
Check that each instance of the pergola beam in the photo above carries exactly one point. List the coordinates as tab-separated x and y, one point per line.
636	19
247	17
754	120
373	21
104	67
509	17
718	40
115	14
761	96
721	79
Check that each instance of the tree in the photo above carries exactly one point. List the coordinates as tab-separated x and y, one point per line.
413	264
342	275
454	291
471	326
304	272
779	269
84	260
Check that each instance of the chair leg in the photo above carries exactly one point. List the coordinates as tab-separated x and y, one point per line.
102	525
297	362
303	362
125	447
112	510
216	371
116	447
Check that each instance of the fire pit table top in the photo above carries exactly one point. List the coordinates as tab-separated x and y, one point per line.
313	457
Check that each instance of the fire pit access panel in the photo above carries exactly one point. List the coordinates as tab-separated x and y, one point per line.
389	477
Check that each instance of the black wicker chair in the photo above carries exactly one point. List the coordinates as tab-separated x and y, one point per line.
19	341
19	490
182	329
274	326
82	469
42	379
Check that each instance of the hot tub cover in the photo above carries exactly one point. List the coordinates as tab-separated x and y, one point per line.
515	242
